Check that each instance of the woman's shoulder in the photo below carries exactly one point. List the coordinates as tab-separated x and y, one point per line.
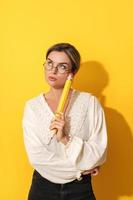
88	97
34	101
85	94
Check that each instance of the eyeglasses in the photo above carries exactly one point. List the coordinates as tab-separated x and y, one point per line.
62	68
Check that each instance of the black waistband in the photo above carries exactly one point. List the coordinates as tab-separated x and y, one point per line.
84	178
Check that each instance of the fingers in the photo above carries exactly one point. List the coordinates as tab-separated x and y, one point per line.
86	172
60	116
94	171
58	122
58	125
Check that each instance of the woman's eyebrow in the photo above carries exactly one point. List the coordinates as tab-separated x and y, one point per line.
60	62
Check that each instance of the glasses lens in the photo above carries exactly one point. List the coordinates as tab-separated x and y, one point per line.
61	68
48	66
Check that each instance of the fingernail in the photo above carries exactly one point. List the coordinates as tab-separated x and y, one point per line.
61	113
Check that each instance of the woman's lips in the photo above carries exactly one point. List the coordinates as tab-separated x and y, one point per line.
52	78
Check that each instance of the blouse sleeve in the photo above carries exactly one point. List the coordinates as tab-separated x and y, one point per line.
88	154
37	152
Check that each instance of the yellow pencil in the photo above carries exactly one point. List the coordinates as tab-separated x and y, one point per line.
63	98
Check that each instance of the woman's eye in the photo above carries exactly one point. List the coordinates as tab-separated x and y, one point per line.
50	63
63	67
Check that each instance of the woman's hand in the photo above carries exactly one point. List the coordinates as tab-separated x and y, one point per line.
58	123
93	171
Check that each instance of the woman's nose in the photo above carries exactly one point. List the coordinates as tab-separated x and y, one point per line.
55	70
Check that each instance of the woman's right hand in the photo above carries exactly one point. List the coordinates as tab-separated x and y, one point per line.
58	123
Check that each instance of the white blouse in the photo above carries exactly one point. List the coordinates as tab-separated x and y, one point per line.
85	122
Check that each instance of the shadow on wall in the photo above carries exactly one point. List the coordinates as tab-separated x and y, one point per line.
116	176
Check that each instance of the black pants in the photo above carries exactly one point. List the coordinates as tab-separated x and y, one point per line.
42	189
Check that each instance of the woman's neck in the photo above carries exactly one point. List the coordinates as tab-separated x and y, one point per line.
55	94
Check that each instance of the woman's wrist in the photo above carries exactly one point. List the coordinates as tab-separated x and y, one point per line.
66	139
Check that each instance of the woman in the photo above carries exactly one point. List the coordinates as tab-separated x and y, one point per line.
64	162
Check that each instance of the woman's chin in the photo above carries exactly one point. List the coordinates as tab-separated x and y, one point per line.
56	86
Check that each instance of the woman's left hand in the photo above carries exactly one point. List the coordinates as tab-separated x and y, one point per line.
93	171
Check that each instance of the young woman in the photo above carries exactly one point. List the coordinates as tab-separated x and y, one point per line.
63	163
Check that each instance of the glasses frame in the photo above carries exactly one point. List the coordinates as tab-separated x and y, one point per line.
45	65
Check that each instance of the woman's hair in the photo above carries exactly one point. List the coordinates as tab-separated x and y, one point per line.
71	52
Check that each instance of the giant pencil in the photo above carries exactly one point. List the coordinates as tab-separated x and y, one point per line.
63	98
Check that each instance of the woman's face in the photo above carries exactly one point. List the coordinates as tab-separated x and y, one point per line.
53	76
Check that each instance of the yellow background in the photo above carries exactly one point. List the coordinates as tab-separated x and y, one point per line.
103	33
